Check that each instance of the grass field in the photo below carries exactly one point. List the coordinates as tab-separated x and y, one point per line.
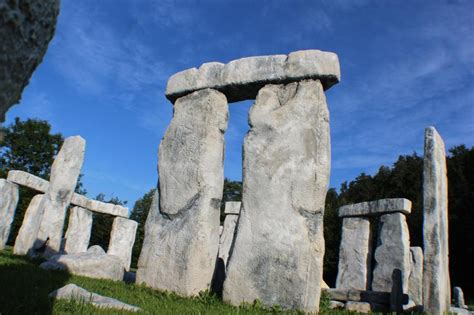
24	289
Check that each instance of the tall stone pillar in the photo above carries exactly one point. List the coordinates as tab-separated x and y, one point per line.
64	174
355	254
26	236
436	282
278	251
122	238
392	252
8	203
78	232
186	222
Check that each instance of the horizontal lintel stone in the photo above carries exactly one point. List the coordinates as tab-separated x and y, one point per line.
377	207
241	79
41	185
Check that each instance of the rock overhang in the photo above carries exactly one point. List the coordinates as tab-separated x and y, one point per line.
241	79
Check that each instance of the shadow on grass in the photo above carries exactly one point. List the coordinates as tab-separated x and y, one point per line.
24	287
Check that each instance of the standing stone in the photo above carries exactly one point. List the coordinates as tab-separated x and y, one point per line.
78	231
436	282
122	239
278	253
415	281
64	174
29	228
232	211
26	28
392	252
8	203
458	298
191	172
354	254
147	269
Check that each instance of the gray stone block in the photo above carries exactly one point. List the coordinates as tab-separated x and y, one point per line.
8	202
122	238
186	221
392	252
78	231
278	252
377	207
242	78
355	254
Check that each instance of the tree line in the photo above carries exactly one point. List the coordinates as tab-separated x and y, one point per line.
30	146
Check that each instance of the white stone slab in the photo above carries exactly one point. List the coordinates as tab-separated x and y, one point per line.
78	231
242	78
8	202
122	238
377	207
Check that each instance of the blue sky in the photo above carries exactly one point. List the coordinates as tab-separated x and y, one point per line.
405	65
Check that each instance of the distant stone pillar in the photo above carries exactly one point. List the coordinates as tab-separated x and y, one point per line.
436	282
78	231
26	236
458	298
232	211
122	238
8	203
279	247
415	281
355	254
392	252
191	183
64	174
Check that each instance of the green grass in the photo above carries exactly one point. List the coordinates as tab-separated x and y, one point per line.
24	289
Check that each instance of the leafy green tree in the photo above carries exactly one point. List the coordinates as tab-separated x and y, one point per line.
140	213
232	192
31	147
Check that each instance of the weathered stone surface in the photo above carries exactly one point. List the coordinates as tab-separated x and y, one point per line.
36	183
392	252
26	27
436	282
78	231
90	264
64	174
243	78
336	304
354	254
458	298
279	247
28	180
74	292
8	203
232	207
415	281
359	307
191	183
228	231
96	249
29	228
377	207
372	297
147	269
122	239
459	311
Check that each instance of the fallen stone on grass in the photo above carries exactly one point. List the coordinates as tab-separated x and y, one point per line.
94	264
336	304
359	307
74	292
